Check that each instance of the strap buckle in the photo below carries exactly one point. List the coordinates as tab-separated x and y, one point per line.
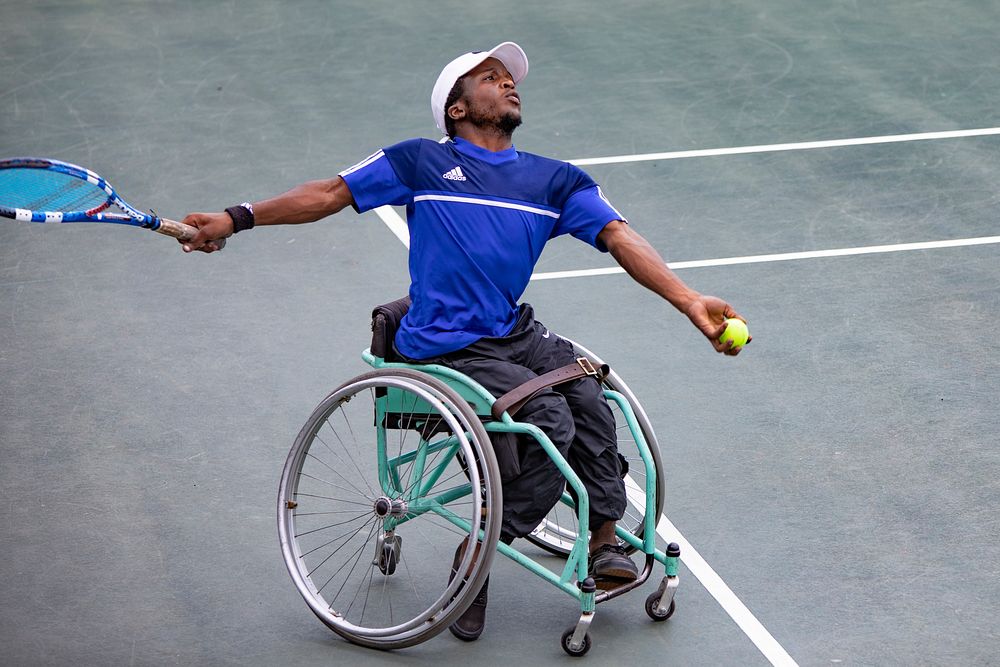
587	367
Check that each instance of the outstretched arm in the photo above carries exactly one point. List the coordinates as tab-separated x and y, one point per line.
306	203
641	261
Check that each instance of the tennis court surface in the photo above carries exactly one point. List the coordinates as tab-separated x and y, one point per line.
830	169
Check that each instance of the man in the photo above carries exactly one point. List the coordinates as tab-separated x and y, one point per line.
479	213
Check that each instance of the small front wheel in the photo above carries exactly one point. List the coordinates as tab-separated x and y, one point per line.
575	652
657	613
390	554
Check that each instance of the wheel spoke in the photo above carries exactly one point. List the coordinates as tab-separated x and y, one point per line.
333	525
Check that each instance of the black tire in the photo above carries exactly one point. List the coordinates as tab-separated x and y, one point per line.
659	616
565	640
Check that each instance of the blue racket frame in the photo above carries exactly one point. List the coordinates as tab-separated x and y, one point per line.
132	215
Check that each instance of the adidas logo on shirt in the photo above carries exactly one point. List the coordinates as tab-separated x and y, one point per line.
455	175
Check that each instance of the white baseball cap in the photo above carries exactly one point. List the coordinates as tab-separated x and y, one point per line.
510	54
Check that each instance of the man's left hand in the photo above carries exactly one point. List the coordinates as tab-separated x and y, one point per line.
709	314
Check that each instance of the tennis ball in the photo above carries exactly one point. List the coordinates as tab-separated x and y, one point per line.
736	331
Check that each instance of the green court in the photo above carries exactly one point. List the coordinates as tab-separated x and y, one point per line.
829	169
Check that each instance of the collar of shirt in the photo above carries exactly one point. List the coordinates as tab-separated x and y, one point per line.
480	153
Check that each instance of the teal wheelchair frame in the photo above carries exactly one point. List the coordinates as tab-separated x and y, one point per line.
405	450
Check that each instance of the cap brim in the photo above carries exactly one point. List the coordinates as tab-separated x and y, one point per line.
513	58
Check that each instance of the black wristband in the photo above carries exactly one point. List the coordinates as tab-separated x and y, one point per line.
242	216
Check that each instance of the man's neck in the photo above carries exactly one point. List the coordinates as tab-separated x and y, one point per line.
486	138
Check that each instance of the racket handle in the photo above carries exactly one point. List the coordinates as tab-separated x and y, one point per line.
177	229
181	231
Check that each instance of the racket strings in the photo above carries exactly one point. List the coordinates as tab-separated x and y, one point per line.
39	190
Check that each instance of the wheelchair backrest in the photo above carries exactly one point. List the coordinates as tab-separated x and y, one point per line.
385	322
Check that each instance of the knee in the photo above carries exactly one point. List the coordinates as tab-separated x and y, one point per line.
550	412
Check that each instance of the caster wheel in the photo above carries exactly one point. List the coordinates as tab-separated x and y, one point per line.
567	636
391	553
387	563
659	614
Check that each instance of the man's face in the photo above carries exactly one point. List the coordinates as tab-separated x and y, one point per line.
490	99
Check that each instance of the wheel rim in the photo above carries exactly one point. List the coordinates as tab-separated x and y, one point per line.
338	508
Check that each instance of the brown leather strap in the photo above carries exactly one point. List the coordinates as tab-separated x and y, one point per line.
515	399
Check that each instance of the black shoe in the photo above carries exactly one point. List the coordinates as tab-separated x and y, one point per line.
611	567
470	624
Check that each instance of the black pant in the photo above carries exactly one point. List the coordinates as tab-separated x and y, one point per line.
574	415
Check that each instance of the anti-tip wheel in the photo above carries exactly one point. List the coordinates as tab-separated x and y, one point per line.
565	643
654	612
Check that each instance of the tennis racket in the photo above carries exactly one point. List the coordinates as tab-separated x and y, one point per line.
36	189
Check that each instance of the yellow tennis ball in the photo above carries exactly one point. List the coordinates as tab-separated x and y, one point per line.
736	331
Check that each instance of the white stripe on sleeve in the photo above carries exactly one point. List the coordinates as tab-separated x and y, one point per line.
364	163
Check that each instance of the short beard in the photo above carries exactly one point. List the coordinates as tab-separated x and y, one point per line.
508	123
503	126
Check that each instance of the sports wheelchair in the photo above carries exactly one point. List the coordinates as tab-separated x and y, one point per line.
396	468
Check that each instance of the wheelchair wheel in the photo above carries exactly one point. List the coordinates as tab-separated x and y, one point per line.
375	498
558	531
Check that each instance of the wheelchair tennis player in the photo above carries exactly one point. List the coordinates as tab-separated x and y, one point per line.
479	213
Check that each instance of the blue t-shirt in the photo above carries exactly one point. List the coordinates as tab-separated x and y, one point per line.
478	221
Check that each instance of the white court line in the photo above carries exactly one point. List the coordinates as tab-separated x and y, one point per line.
395	223
398	226
783	257
799	146
714	584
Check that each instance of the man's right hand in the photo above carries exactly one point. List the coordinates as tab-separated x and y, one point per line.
212	227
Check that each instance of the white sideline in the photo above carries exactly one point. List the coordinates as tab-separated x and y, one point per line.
398	226
714	584
797	146
782	257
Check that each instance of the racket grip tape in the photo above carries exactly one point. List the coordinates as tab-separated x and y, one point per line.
181	231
